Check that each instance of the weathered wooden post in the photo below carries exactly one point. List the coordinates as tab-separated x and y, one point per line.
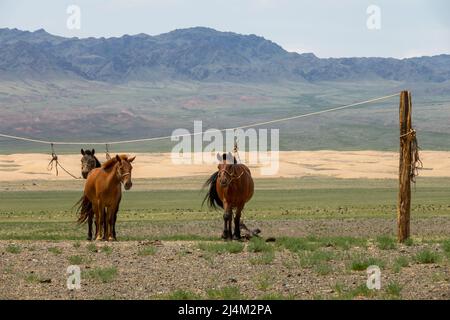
404	195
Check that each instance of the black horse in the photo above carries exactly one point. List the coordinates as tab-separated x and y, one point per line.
88	162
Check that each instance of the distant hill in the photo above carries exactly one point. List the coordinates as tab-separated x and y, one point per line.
200	54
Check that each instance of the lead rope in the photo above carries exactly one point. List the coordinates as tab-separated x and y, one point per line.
54	163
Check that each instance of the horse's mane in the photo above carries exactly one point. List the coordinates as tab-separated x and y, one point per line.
111	162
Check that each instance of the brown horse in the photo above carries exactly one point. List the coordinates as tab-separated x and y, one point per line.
102	195
88	162
231	187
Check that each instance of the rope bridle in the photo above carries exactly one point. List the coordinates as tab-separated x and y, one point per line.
232	176
122	175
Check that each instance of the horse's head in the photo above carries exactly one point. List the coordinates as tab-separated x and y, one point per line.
124	170
226	169
88	162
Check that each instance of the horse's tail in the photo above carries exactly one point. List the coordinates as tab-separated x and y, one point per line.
212	196
84	209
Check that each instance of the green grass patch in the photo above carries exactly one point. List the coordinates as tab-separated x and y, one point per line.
182	295
399	263
77	260
446	247
427	256
263	282
259	245
310	259
344	293
55	250
220	248
147	251
386	243
32	278
106	249
361	263
393	289
276	296
91	247
264	258
103	275
77	244
13	248
297	245
225	293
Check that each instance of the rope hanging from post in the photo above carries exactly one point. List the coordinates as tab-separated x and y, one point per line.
236	148
54	163
108	156
416	162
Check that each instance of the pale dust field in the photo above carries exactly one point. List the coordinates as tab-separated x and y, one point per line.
337	164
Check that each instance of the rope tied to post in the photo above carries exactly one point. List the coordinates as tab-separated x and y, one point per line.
416	162
107	155
54	163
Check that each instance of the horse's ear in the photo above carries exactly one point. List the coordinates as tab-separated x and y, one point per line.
118	158
219	157
82	152
130	160
93	151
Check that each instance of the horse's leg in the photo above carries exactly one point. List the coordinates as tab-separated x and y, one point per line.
227	217
90	218
114	222
100	218
237	223
112	213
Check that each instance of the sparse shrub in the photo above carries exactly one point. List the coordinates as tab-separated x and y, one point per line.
225	293
147	251
426	256
386	243
102	274
12	248
263	258
394	289
55	250
361	263
399	263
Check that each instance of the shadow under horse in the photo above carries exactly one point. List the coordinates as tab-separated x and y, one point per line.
230	188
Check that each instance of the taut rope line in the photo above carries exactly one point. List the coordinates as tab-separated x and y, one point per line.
257	124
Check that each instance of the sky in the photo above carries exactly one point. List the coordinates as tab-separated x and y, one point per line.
328	28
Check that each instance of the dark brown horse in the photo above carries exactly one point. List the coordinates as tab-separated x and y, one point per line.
88	162
102	195
231	187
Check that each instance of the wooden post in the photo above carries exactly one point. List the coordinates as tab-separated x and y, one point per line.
404	195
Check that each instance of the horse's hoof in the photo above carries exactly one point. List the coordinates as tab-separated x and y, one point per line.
236	237
112	239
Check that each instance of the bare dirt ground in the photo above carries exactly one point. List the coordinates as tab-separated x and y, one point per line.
122	270
338	164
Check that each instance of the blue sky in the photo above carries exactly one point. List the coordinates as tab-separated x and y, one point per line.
325	27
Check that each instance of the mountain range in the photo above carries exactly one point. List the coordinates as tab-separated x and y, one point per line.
200	54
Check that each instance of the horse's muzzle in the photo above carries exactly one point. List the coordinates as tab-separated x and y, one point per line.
84	174
128	185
